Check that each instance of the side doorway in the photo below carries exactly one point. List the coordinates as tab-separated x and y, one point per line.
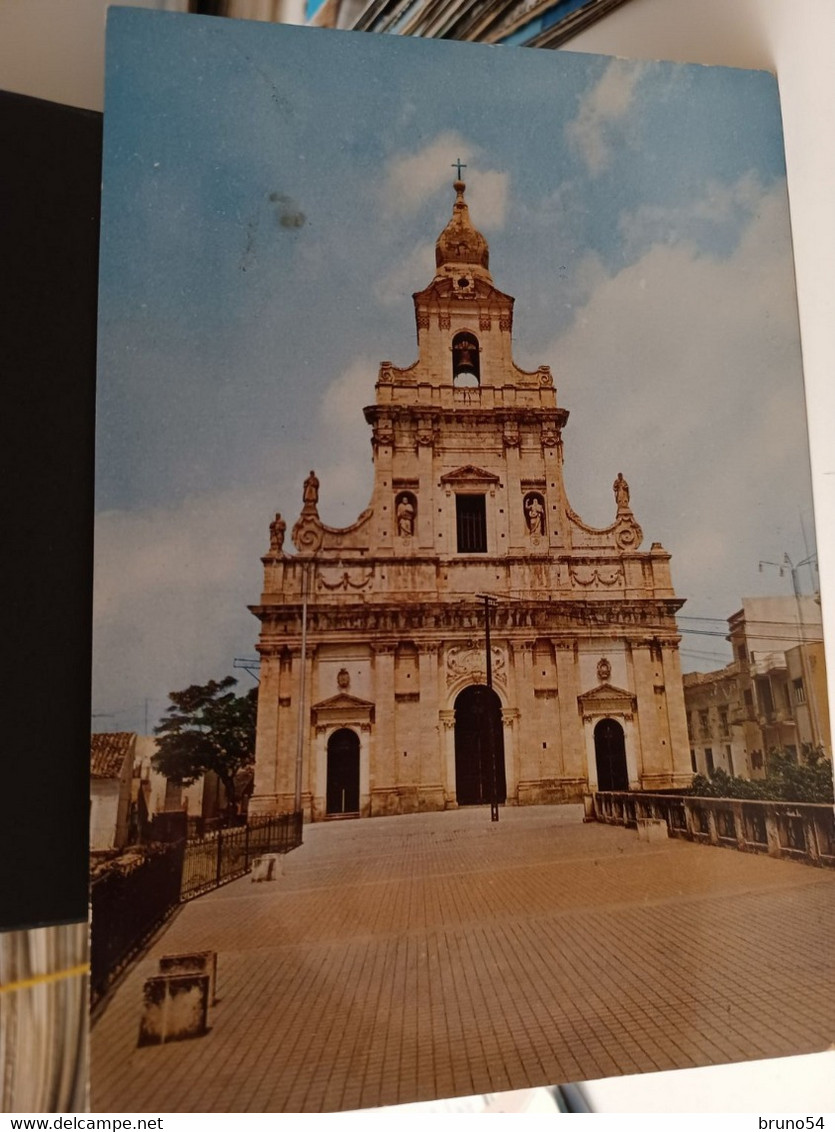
343	781
610	756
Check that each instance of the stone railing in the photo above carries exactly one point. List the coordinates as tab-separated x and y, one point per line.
802	831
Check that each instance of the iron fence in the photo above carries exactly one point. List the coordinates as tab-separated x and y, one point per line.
218	857
803	831
130	901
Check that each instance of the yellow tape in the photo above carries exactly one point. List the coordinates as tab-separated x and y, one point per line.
51	977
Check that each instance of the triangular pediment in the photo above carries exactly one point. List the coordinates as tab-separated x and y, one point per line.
605	694
469	474
343	702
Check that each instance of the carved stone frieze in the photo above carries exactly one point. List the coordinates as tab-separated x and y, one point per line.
469	660
595	575
383	433
355	578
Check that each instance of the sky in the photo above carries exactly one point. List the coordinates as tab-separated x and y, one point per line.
271	200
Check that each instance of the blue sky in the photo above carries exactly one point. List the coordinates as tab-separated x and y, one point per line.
271	200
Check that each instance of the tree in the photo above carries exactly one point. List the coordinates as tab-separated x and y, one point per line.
786	780
207	727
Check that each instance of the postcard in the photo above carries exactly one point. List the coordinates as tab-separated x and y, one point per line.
458	637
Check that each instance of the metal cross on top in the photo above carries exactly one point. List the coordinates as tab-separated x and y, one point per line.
459	166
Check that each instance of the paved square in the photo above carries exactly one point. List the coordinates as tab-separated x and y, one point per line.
401	959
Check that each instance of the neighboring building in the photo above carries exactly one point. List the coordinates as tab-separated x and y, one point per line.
771	696
152	794
468	499
806	670
111	771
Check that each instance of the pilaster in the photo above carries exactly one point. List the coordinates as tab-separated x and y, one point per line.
571	725
382	772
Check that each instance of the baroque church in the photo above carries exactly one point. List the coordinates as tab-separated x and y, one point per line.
378	694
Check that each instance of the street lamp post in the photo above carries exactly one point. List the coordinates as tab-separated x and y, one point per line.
491	738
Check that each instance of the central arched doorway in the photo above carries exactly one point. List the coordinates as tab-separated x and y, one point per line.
479	742
343	783
610	756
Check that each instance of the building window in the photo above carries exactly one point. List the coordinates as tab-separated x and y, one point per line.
709	760
764	696
729	758
471	524
799	691
693	760
723	721
704	723
741	652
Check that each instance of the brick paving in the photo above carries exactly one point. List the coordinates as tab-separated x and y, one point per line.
435	955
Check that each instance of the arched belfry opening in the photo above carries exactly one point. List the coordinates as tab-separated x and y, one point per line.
479	747
610	756
466	368
343	781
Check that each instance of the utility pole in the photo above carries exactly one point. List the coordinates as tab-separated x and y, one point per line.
805	665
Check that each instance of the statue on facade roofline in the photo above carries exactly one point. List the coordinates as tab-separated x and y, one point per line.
310	496
621	489
277	531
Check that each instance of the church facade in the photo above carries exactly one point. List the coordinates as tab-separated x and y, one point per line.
378	695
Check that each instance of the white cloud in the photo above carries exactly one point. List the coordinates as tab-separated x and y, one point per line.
413	177
173	583
682	371
600	110
487	196
713	220
408	275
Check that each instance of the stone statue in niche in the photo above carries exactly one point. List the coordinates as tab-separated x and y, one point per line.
621	489
534	506
310	496
278	529
604	670
405	512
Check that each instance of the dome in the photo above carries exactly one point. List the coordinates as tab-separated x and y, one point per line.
460	243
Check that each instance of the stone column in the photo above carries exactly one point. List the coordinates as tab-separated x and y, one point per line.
574	764
527	768
265	797
676	713
650	759
426	499
517	530
382	771
431	740
383	441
